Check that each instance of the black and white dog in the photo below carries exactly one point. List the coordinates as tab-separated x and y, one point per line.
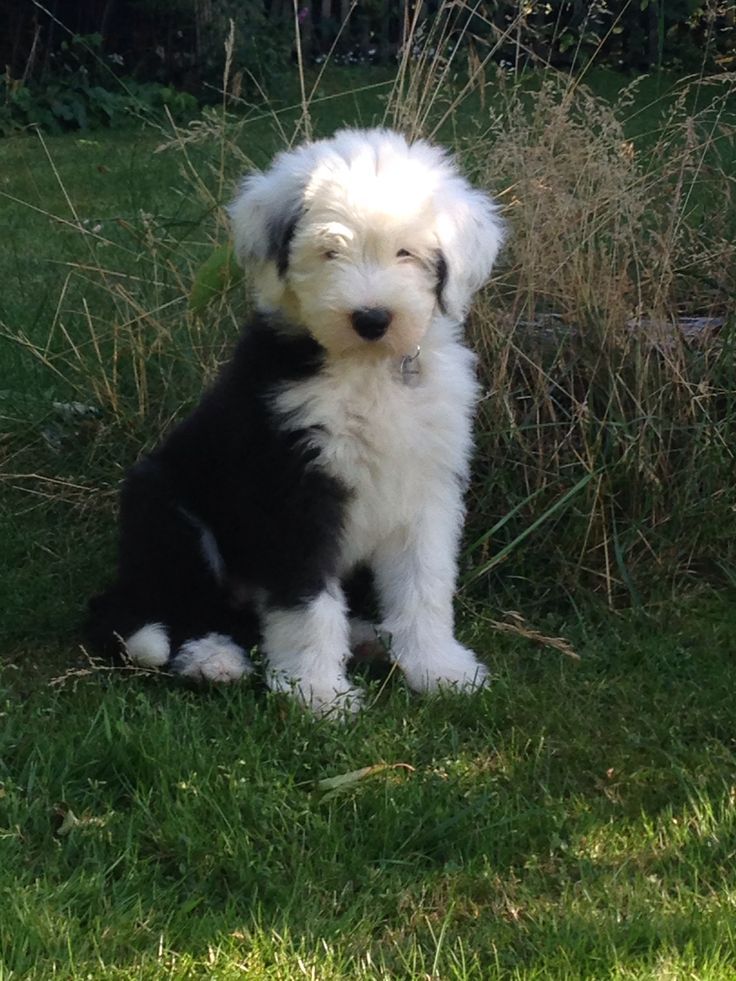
338	437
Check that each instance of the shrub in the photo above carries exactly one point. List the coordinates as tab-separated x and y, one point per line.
81	91
638	36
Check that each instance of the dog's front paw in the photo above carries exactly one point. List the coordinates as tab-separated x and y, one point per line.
455	668
333	699
335	704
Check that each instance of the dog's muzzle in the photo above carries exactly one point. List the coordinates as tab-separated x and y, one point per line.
371	322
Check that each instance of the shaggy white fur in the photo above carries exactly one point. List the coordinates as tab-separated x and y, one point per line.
307	649
371	211
374	223
214	658
149	646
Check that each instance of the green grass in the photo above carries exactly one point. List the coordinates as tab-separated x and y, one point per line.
574	821
577	820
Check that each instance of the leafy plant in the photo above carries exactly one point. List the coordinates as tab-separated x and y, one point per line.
82	91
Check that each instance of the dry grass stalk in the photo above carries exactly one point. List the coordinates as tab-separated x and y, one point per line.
516	625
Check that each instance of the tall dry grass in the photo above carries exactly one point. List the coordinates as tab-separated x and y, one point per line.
607	429
607	339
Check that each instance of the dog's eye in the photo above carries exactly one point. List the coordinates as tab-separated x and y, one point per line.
330	254
403	254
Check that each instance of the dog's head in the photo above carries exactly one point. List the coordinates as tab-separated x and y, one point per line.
363	239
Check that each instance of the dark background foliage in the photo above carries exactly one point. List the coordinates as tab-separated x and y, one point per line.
179	42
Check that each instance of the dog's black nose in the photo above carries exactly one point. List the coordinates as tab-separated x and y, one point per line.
371	322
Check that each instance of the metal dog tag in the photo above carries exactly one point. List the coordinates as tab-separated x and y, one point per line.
410	368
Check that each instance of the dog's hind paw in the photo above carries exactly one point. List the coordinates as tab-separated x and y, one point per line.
215	658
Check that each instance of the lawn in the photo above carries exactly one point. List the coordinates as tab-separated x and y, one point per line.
576	820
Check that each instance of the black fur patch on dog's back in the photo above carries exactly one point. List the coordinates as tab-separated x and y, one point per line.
232	468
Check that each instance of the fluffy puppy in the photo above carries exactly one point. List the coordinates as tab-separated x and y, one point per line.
337	438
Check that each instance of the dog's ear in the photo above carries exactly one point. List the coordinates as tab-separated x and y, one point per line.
265	214
440	270
470	234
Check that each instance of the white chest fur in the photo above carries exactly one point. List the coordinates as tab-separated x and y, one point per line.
396	446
